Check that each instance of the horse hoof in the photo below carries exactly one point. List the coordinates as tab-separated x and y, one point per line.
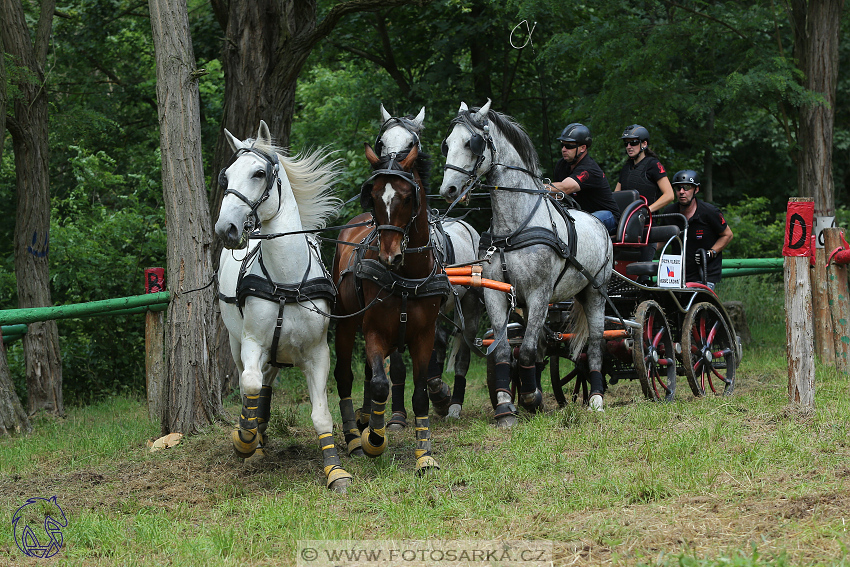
338	480
506	421
595	403
454	411
356	453
340	486
397	422
532	401
426	464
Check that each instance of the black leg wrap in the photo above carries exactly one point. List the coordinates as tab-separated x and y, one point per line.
264	412
246	437
597	383
374	439
435	367
332	465
424	460
540	367
398	397
459	390
349	426
530	397
502	383
440	395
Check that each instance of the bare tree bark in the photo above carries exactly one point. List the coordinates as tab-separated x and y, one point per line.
29	129
816	25
193	396
13	418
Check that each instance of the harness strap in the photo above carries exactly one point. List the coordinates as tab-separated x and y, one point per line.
402	320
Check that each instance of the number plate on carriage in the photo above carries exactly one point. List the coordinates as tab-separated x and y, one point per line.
670	271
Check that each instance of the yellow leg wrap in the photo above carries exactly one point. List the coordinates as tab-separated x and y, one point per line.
370	449
353	445
335	473
245	442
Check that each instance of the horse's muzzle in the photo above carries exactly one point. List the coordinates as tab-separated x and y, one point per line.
232	237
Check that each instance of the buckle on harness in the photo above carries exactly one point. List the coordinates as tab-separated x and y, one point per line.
402	317
489	254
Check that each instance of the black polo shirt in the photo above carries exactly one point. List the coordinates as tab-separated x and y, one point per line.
704	228
595	193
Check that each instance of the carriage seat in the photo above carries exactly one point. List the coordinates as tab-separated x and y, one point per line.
656	234
625	198
633	217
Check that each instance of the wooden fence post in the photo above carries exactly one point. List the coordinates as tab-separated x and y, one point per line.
155	346
798	301
839	301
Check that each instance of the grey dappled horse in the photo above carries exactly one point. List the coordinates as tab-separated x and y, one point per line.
530	247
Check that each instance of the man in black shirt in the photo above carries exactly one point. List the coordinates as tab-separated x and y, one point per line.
708	233
578	175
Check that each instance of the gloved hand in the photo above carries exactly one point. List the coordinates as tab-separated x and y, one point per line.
709	254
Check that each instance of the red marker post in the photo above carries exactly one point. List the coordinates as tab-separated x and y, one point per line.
154	346
797	250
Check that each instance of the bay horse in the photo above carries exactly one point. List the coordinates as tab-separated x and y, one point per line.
548	253
389	284
455	241
271	295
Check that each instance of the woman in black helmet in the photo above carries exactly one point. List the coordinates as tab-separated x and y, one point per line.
642	171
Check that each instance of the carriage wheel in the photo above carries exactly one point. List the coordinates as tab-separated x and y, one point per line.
559	384
708	351
653	354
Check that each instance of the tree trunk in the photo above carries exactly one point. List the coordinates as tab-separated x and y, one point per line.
816	25
29	130
13	418
192	394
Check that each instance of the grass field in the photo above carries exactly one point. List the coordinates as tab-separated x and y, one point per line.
744	480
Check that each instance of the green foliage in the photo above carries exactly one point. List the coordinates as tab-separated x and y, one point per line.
758	232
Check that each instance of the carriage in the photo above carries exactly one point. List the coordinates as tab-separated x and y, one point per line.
657	327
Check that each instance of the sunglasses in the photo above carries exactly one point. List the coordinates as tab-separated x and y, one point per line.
569	145
685	187
632	143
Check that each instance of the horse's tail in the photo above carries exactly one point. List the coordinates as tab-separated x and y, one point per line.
579	329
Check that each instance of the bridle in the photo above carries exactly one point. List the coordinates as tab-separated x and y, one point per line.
272	169
478	144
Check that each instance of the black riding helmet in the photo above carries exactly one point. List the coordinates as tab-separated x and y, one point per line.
635	131
577	133
686	177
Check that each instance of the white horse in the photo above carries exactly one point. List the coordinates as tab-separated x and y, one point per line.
270	292
398	136
530	247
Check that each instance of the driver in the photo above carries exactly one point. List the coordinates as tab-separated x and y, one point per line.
578	175
708	233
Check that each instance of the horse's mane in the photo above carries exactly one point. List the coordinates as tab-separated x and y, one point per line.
513	132
311	175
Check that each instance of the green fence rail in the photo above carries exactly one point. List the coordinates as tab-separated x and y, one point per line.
118	306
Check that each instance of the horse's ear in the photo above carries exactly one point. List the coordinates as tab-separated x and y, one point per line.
482	112
407	163
463	107
234	142
384	114
371	155
263	134
420	118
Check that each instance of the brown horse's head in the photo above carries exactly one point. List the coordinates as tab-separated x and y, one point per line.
395	202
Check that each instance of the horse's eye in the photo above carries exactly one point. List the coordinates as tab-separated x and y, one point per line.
259	174
407	199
